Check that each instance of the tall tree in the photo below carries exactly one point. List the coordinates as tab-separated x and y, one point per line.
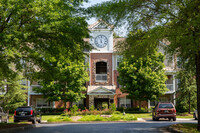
34	30
37	35
13	93
186	92
143	78
174	20
66	82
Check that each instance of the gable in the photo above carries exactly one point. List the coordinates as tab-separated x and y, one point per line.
101	91
100	24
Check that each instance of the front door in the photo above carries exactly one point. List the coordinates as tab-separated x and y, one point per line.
101	103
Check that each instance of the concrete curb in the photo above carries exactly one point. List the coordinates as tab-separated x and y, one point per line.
72	122
12	130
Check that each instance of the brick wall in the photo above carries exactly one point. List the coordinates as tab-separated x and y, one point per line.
97	57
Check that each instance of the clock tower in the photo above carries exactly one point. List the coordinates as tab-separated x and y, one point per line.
101	88
101	37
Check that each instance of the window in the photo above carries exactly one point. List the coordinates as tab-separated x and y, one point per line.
101	72
80	103
119	58
42	103
101	68
124	102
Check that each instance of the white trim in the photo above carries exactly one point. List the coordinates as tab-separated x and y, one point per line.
93	52
174	83
90	69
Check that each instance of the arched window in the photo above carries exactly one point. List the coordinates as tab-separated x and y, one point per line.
101	68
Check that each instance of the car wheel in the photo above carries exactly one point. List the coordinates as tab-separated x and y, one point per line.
16	121
194	116
174	119
34	121
169	119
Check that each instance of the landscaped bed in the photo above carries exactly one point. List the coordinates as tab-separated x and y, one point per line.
186	128
85	118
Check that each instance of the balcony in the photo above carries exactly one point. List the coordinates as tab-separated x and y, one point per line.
33	92
101	77
171	88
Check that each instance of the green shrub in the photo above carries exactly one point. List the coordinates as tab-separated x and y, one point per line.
74	109
92	108
115	118
129	117
113	107
92	118
117	112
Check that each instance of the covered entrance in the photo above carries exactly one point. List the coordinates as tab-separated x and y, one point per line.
101	96
101	103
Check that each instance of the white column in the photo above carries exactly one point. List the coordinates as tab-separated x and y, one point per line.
149	104
174	94
174	83
90	69
174	98
29	88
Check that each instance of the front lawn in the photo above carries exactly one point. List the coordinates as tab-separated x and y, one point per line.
186	128
113	117
55	118
149	115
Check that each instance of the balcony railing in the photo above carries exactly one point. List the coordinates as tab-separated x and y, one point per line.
170	87
101	77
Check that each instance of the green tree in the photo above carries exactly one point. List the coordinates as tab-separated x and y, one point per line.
66	82
187	92
38	35
143	78
13	93
177	21
34	30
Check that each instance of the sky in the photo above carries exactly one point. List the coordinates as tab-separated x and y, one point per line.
121	32
90	3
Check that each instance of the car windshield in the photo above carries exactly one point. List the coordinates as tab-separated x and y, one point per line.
23	109
166	106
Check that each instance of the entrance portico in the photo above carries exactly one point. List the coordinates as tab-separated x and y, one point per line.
99	95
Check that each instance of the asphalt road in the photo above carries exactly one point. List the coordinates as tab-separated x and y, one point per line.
147	126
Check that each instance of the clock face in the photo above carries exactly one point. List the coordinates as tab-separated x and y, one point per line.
101	41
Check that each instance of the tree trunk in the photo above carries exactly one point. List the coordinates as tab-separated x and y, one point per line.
189	103
139	106
197	62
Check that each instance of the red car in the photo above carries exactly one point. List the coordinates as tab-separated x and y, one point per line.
164	110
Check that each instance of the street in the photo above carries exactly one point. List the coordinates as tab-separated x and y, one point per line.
145	126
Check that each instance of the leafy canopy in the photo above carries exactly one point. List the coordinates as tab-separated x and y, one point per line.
143	78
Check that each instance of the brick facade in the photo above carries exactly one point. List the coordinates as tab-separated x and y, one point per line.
97	57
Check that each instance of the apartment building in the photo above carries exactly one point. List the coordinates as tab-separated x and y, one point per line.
103	87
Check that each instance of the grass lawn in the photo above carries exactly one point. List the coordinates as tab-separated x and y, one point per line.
114	117
149	115
186	128
55	118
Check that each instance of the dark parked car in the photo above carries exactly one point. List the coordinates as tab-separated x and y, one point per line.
27	113
164	110
4	117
